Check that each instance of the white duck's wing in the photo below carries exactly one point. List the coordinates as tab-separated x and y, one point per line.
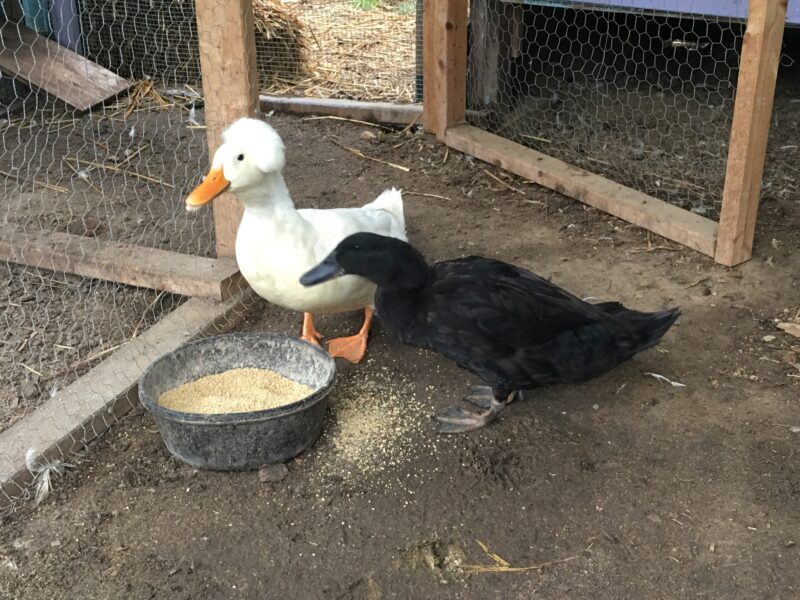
383	216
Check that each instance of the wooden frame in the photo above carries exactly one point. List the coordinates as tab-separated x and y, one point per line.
730	242
375	112
213	278
755	92
226	32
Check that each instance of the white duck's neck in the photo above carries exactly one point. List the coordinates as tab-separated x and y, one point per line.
270	198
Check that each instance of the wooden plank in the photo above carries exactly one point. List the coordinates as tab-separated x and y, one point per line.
444	64
230	86
57	70
374	112
631	205
218	279
484	62
755	91
82	411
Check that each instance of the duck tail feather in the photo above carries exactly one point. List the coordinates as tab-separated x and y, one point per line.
391	200
653	326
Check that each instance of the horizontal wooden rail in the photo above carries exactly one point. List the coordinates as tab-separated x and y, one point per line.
214	278
631	205
375	112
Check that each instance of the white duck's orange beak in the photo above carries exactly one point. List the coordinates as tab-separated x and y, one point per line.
213	185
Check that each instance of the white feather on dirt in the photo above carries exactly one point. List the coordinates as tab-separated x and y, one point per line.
44	472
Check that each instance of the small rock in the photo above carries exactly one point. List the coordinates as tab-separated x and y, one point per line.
789	543
596	406
794	429
272	473
654	518
30	390
768	338
368	136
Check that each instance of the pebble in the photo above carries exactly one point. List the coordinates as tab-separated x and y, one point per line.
272	473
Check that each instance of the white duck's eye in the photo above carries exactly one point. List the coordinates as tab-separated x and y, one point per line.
240	157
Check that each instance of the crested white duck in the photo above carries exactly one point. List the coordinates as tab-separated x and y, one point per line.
276	243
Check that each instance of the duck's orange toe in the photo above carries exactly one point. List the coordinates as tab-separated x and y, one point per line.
351	348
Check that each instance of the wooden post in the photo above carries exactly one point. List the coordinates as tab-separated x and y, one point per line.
444	64
755	91
230	87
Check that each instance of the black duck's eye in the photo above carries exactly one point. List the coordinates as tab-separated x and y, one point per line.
356	247
240	157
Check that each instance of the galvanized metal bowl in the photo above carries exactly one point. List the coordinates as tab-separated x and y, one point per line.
239	441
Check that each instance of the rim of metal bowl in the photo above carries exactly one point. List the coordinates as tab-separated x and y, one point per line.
245	417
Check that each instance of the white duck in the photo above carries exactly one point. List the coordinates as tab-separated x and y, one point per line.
276	243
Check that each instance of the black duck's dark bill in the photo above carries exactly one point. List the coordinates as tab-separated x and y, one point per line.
325	271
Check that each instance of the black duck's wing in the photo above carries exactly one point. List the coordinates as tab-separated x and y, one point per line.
490	316
507	301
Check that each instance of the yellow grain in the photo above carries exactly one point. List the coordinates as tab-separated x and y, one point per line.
234	391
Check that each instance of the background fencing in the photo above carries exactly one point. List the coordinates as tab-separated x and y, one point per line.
119	171
644	98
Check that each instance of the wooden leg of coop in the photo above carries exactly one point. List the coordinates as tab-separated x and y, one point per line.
444	64
230	88
752	114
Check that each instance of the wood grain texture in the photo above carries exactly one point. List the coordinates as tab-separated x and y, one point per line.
755	92
230	87
374	112
444	64
218	279
60	72
631	205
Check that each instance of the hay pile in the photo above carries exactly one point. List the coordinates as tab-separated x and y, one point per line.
357	54
281	44
157	39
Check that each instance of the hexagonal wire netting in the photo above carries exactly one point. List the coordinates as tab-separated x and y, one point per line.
118	169
642	97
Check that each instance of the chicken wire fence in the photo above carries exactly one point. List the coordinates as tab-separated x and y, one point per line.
642	97
119	171
355	49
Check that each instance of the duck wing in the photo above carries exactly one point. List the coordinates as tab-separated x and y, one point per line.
500	321
505	300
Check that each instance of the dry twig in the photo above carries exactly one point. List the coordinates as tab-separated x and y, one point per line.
360	154
501	565
503	183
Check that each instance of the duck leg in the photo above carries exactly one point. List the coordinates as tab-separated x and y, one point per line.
459	420
354	347
310	334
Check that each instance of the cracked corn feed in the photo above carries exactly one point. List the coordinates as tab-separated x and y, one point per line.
234	391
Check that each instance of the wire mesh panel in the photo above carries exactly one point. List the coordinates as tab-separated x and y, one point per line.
358	49
355	49
102	136
642	97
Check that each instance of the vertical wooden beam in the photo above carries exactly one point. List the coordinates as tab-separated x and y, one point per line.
444	64
755	91
230	87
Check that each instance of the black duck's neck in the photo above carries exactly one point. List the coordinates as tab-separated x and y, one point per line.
406	270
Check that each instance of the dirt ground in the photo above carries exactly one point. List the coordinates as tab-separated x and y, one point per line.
624	487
